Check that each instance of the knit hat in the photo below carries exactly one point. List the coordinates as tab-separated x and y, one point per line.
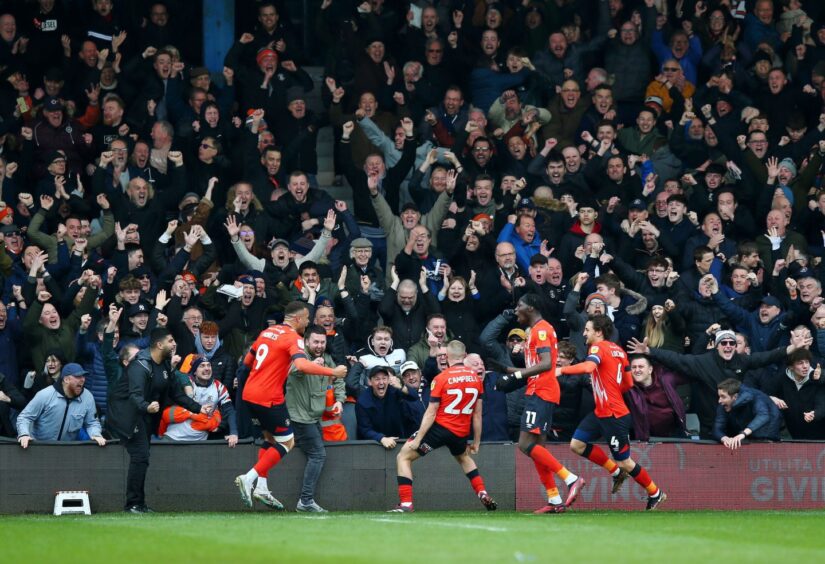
264	53
197	361
724	335
295	93
595	296
789	164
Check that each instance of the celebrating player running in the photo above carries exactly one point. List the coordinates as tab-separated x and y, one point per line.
607	362
269	358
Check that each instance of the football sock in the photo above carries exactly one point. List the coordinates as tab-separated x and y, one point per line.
542	459
261	452
270	458
261	484
643	479
476	481
597	456
405	490
567	475
553	496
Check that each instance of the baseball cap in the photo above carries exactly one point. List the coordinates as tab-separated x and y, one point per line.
379	369
771	301
277	242
52	104
137	309
654	100
73	369
409	365
517	333
637	204
525	203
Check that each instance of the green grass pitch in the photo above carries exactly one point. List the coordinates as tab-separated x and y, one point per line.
422	537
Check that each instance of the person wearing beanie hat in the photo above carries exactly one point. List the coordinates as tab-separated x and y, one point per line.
216	418
791	171
595	297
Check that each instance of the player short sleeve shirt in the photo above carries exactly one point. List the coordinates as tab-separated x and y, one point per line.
274	351
612	369
456	390
541	337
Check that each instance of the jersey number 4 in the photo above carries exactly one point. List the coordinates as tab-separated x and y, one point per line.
452	409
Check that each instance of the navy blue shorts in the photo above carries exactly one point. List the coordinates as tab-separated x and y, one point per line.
273	420
437	437
616	431
537	417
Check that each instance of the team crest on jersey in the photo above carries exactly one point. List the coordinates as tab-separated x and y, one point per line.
542	335
594	349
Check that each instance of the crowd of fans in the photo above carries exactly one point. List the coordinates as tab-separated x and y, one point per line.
657	161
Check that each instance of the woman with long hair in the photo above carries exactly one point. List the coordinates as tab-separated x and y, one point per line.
665	328
459	303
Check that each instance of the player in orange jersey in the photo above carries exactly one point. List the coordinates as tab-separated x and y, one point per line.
540	401
607	363
455	406
270	357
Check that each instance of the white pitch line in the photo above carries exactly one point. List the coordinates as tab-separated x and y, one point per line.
442	524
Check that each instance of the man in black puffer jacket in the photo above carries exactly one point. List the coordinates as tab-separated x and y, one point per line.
135	405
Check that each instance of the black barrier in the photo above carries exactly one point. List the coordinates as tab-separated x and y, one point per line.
358	476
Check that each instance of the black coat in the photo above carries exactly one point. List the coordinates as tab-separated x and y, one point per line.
809	397
145	382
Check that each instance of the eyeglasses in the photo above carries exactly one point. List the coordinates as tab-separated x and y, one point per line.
657	270
206	146
728	343
481	149
246	233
